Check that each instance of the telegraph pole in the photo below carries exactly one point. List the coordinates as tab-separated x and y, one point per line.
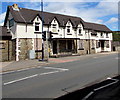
42	30
44	38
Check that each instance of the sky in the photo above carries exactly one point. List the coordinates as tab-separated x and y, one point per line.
96	11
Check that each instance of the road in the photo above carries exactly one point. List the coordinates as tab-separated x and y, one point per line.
55	80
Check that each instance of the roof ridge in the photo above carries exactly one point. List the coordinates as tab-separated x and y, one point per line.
94	23
50	12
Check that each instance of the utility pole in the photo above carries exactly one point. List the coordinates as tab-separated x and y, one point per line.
44	38
42	30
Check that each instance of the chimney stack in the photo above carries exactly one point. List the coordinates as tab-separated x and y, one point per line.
15	7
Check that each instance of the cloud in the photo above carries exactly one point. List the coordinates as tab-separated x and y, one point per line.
2	17
112	20
32	5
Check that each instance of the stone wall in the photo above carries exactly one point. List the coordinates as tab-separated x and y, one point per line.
25	46
7	50
4	50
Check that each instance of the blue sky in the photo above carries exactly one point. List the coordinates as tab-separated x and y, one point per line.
97	12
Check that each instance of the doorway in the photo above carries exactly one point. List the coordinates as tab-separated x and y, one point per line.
102	45
54	47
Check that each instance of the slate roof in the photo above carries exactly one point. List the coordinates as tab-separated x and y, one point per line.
3	32
28	16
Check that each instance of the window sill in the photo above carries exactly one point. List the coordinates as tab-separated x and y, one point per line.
37	32
54	33
80	34
81	49
69	34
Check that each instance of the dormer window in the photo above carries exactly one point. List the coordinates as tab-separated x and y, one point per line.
37	19
101	34
79	31
106	35
54	26
68	29
37	26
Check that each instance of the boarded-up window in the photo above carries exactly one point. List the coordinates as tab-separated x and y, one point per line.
81	45
37	44
107	44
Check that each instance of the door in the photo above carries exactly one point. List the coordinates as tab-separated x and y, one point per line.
102	45
54	47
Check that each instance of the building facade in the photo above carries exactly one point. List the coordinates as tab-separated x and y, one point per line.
71	35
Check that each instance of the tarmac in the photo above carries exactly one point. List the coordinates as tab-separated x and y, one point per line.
25	64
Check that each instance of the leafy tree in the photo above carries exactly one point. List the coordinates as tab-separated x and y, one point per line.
116	36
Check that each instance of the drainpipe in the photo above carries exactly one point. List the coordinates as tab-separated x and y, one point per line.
89	42
8	50
76	39
17	53
64	28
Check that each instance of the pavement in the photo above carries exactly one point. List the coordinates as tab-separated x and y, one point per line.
55	80
25	64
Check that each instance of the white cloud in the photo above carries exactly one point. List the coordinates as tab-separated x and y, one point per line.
99	21
112	20
2	17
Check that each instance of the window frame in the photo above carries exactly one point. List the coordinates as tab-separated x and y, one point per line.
37	27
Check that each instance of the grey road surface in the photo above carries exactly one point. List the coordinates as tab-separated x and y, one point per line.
55	80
